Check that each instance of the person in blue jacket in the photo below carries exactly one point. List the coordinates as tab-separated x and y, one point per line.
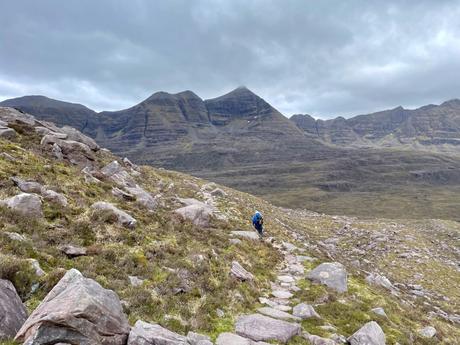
258	222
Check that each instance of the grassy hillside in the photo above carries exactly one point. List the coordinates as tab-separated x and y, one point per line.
185	268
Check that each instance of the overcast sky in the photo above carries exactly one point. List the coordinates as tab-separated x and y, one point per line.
325	58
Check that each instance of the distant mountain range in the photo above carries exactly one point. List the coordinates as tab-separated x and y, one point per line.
397	162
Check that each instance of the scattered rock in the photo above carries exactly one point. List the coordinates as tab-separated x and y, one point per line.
135	281
235	241
115	172
369	334
76	311
219	193
14	236
26	204
427	332
73	251
144	333
7	133
12	312
234	339
379	311
316	340
27	186
143	198
54	197
75	135
57	152
122	194
36	266
379	280
198	339
123	218
263	328
331	274
199	214
7	156
220	313
74	151
240	273
283	294
250	235
305	311
277	314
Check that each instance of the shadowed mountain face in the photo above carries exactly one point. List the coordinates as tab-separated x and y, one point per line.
430	127
238	139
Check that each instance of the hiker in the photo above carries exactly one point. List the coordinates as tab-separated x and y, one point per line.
258	221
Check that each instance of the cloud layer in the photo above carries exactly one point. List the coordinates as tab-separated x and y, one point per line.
326	58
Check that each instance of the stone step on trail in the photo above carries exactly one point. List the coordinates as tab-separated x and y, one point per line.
277	314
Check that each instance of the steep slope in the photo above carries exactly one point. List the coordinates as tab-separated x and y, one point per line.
59	112
171	268
432	127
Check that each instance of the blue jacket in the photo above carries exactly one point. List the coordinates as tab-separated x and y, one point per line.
257	221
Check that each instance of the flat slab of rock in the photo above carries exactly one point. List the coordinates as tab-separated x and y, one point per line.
263	328
305	311
379	311
235	339
316	340
76	135
427	332
369	334
26	204
144	333
198	339
249	235
115	172
12	312
73	251
331	274
143	197
282	294
379	280
123	218
27	186
77	311
240	273
277	314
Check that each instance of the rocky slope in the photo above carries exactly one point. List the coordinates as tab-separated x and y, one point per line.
102	251
431	127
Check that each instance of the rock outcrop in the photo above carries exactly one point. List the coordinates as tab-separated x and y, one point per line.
122	217
77	311
13	313
26	204
331	274
369	334
240	273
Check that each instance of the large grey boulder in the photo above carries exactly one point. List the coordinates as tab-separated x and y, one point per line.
143	197
331	274
122	217
240	273
277	314
75	135
13	314
55	197
74	151
76	311
144	333
263	328
199	214
11	115
115	172
27	186
369	334
305	311
26	204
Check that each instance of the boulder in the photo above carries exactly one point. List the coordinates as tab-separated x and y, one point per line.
55	197
263	328
27	186
277	314
331	274
199	214
427	332
14	236
76	311
379	311
144	333
116	173
46	131
379	280
143	198
26	204
122	217
249	235
7	133
369	334
122	194
13	313
11	115
240	273
36	267
57	152
135	281
316	340
73	251
75	135
282	294
305	311
219	193
74	151
235	339
198	339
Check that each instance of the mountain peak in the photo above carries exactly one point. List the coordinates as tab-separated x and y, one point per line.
452	103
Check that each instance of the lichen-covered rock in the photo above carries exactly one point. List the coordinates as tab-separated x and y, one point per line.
144	333
331	274
240	273
305	311
369	334
263	328
122	217
76	311
13	313
26	204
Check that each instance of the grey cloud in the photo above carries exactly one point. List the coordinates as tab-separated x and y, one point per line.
326	58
